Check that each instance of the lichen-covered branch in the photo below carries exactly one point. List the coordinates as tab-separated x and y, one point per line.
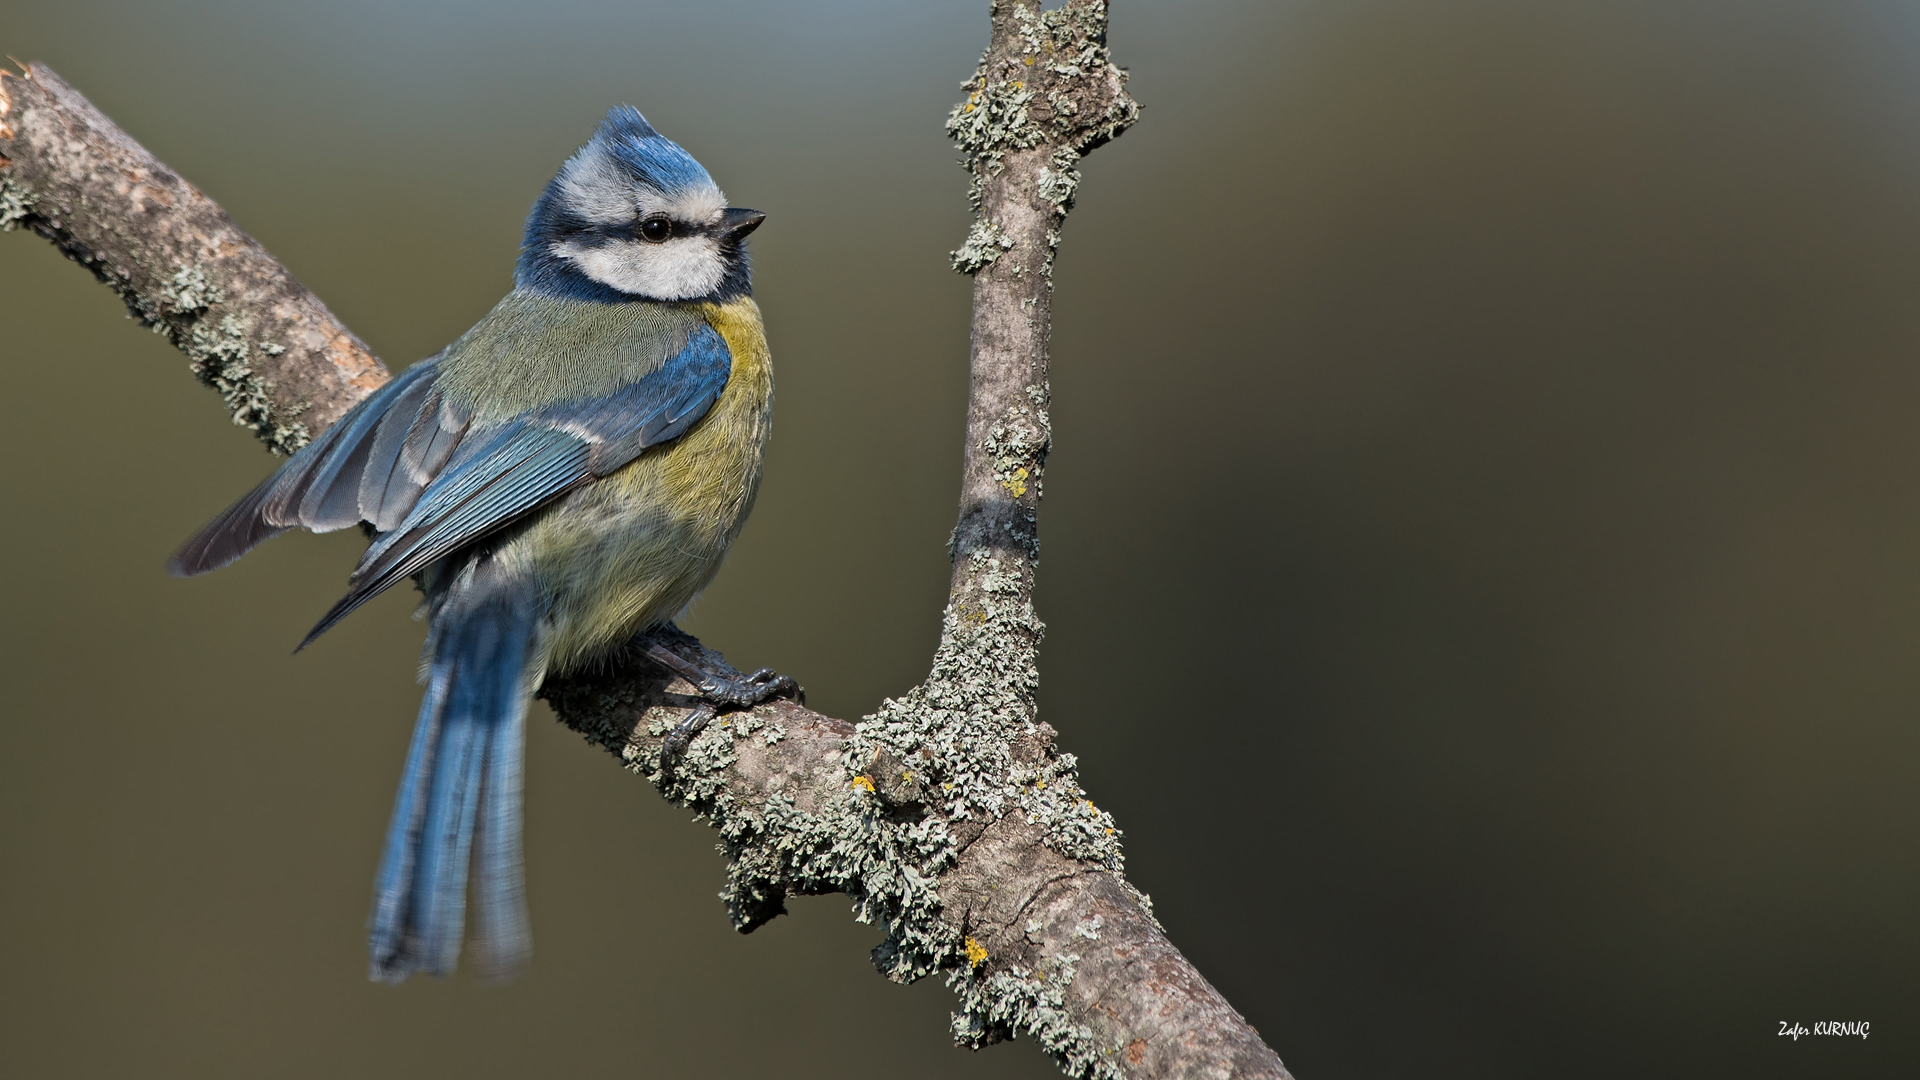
284	365
1053	941
1021	906
948	817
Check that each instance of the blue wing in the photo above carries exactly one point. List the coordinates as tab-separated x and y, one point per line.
371	465
500	474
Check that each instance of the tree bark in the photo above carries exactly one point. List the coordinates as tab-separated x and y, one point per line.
948	816
284	365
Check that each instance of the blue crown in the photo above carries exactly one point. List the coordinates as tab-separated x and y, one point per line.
652	158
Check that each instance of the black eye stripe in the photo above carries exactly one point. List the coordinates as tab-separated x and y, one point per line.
593	235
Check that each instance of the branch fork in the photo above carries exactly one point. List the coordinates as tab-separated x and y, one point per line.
949	816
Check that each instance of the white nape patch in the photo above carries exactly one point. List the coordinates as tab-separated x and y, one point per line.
676	270
593	186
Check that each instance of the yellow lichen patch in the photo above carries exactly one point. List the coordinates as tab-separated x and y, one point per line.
976	953
863	783
1017	482
906	774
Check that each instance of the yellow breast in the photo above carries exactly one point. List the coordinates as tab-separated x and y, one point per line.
630	551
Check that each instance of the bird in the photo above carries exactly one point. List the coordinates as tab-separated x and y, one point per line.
560	481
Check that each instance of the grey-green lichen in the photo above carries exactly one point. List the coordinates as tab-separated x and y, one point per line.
1050	795
1032	103
959	728
1031	1001
181	309
852	842
978	698
947	759
16	204
922	770
1074	40
219	355
950	745
217	352
991	121
1017	447
1059	180
984	244
189	291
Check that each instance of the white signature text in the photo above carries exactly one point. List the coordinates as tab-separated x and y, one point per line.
1824	1027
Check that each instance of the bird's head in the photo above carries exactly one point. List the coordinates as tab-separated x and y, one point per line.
633	213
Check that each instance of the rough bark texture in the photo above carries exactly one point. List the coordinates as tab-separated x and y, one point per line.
284	365
948	816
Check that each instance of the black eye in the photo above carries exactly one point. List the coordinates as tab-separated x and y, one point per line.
655	228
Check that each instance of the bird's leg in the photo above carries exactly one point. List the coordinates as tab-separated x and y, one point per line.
683	733
716	691
720	690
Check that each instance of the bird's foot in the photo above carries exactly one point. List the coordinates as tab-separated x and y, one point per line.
722	690
717	692
762	685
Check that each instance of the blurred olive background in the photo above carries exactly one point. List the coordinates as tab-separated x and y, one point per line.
1482	542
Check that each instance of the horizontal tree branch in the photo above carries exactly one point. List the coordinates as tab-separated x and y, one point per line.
949	817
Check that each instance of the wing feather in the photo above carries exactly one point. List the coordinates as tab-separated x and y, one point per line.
435	435
386	483
277	503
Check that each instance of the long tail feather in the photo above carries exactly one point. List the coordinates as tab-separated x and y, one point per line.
461	789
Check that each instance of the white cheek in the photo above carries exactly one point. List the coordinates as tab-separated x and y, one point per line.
676	270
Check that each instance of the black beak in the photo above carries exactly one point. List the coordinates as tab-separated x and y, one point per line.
736	223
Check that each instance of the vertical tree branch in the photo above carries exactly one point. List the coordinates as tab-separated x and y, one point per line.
1044	96
1058	945
948	816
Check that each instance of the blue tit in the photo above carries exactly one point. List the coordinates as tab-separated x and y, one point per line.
560	480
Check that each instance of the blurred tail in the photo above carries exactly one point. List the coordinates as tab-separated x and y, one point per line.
460	793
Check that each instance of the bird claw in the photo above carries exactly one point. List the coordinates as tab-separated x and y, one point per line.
750	691
716	692
775	684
